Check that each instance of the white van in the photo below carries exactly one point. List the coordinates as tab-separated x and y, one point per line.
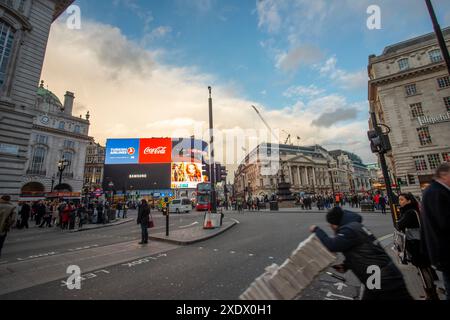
180	206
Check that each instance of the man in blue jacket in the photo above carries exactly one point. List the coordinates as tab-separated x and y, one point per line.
362	253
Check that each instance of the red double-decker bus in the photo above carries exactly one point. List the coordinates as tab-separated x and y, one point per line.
203	202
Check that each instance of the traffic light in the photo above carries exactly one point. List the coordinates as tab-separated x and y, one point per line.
205	171
379	143
223	173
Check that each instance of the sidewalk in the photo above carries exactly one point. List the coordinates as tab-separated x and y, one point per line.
99	226
193	234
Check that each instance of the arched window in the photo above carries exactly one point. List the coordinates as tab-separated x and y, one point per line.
6	44
37	163
69	157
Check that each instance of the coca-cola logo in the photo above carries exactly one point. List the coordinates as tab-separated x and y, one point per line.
158	150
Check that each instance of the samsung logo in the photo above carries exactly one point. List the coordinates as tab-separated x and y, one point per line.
137	176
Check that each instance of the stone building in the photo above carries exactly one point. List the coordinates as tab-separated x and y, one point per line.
409	90
56	134
24	31
308	169
95	164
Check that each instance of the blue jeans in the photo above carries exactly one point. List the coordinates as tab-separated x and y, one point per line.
446	276
144	233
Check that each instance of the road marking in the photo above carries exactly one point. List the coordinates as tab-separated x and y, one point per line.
331	294
232	252
215	250
86	276
192	224
235	220
3	262
250	254
340	286
38	256
386	237
271	258
200	248
83	248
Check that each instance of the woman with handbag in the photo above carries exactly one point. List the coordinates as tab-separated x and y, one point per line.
409	224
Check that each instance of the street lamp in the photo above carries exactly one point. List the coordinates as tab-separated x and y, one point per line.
62	165
53	183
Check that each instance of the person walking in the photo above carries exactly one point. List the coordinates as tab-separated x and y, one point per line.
119	209
24	215
362	250
81	215
409	223
7	218
143	220
125	210
436	223
99	213
382	204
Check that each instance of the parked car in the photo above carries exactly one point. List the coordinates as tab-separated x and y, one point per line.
180	206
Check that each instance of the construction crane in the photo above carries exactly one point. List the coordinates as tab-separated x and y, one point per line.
267	125
288	138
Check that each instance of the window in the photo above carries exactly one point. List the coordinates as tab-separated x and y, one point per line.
411	89
446	157
443	82
416	110
403	64
68	156
69	144
41	139
424	136
261	182
77	129
420	163
447	103
435	55
38	160
62	125
6	44
434	160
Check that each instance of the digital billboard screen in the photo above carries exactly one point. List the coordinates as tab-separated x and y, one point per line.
122	151
186	175
137	176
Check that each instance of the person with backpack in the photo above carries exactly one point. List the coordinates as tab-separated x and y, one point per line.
362	251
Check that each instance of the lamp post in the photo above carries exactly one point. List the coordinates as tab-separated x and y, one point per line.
53	183
62	165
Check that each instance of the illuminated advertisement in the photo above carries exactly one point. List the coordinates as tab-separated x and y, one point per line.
186	175
137	177
122	151
155	150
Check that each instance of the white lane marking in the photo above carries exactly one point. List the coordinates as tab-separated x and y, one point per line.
271	258
192	224
38	256
235	220
232	252
215	250
3	262
250	254
84	248
86	276
340	286
386	237
200	248
330	294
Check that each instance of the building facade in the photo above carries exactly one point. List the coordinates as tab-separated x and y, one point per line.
24	31
95	165
409	91
308	169
56	135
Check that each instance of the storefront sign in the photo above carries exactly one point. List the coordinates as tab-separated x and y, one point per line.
434	119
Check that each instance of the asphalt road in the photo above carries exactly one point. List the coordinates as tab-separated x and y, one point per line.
217	269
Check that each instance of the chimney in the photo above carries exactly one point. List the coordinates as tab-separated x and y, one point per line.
68	102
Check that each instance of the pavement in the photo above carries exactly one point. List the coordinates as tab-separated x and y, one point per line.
106	225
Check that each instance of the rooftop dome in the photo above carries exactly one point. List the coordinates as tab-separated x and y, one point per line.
48	96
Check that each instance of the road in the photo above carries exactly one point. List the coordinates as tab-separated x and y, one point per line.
217	269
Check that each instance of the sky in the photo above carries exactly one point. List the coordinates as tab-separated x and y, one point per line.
142	67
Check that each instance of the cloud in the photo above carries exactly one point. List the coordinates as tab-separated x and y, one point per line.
299	56
330	118
268	15
303	92
347	80
130	93
145	15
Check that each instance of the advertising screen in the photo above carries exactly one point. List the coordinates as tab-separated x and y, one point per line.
186	175
137	176
188	150
122	151
155	150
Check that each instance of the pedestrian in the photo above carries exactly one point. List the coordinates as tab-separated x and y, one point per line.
7	218
436	222
46	217
362	251
81	215
119	209
143	220
99	213
66	216
24	215
40	212
409	223
382	204
125	210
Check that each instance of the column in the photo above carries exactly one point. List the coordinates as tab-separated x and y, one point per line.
306	176
299	177
314	176
290	175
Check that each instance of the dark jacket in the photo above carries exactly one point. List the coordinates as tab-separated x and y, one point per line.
436	225
143	215
25	211
362	250
408	218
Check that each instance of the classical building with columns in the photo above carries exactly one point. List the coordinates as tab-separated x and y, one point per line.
24	31
56	134
409	91
308	169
